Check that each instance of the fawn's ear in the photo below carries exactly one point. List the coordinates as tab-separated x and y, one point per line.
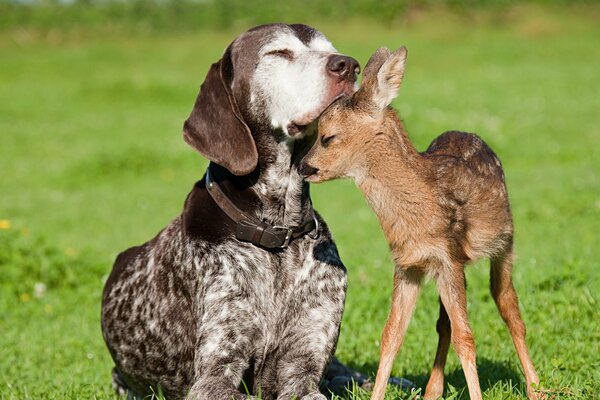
216	127
389	78
369	81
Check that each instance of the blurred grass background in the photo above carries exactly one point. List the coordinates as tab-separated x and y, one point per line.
92	100
192	14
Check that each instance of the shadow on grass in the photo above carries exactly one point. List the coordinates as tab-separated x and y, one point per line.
490	373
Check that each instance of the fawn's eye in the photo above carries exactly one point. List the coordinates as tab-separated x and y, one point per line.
326	140
284	53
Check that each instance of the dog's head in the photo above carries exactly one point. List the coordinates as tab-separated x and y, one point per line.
280	76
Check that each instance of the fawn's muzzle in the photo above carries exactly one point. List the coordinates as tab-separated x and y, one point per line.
307	170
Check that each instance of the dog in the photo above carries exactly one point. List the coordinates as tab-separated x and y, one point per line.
242	293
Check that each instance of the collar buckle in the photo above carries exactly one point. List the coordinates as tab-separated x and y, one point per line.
259	233
288	235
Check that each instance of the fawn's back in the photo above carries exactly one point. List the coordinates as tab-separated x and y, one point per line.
469	183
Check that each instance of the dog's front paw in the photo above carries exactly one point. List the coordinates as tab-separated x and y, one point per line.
314	396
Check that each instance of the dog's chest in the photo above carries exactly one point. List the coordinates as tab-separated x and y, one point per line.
260	293
253	274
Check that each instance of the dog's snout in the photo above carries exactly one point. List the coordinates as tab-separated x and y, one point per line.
307	170
343	66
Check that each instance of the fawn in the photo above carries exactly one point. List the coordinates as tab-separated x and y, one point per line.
439	210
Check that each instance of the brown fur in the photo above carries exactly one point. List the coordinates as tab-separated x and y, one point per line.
439	210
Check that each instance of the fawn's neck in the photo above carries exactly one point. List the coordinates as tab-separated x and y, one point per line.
395	184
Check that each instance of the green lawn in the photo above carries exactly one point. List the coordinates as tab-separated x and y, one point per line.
92	161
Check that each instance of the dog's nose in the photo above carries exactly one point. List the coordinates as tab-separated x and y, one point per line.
307	170
343	66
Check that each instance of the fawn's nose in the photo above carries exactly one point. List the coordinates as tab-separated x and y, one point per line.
307	170
343	67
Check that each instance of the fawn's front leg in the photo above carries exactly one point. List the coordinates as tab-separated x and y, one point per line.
407	283
451	285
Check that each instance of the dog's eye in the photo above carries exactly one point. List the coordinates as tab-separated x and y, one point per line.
285	53
326	140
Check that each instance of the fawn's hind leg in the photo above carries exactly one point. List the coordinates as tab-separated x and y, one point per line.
451	285
506	299
435	386
407	283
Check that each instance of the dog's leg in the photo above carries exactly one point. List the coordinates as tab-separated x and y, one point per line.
451	285
305	351
508	305
435	386
314	396
308	332
216	388
406	288
220	363
299	374
301	379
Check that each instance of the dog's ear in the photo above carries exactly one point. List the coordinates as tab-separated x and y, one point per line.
216	127
383	76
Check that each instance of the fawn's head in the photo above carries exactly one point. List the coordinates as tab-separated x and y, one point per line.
351	124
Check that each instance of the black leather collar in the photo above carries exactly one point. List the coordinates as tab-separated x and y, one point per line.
259	233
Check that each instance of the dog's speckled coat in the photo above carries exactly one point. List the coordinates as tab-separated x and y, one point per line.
199	313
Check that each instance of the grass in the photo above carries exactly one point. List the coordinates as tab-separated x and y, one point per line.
92	162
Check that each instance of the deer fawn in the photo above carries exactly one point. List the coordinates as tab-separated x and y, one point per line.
439	210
